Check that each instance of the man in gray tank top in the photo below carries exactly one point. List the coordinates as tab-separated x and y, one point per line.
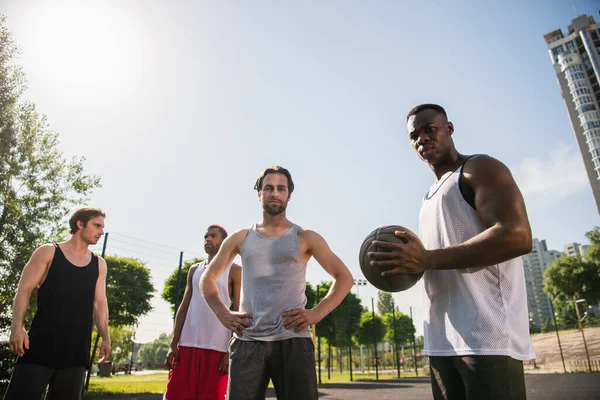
272	339
473	228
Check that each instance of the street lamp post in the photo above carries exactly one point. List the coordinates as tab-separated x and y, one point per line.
579	319
359	282
558	337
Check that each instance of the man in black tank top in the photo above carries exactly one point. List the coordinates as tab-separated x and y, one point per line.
71	283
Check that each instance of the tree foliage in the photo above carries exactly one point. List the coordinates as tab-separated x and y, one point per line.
38	185
385	302
129	290
121	342
155	352
593	251
174	289
405	329
371	329
340	324
570	278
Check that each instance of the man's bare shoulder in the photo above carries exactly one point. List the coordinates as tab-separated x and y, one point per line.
102	264
483	164
237	236
309	236
45	252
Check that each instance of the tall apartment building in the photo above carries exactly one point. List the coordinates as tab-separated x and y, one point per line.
535	264
575	249
576	60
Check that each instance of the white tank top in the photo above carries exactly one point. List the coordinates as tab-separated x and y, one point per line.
473	311
202	328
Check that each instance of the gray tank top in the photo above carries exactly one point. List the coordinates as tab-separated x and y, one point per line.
273	282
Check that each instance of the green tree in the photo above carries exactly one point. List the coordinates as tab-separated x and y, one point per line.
405	329
121	341
370	330
385	303
548	326
38	185
155	352
311	296
340	324
570	278
593	251
175	284
129	290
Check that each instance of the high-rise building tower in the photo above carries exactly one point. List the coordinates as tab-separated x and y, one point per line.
576	60
535	264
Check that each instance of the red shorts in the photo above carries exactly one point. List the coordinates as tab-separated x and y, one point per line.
196	376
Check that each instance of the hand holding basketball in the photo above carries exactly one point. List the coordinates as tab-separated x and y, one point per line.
383	255
400	258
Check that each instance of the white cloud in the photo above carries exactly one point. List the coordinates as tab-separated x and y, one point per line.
558	176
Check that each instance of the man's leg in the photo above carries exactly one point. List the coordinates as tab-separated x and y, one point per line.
446	382
182	377
28	382
248	377
211	385
492	377
292	368
66	384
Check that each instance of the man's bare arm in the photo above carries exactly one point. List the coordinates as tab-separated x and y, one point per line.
183	307
235	274
500	206
101	310
173	353
342	283
232	320
31	277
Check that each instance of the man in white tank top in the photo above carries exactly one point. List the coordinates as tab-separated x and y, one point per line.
197	359
272	336
473	228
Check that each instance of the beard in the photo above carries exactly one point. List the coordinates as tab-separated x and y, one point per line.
211	250
274	209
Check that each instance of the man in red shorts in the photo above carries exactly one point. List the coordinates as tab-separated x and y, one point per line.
197	357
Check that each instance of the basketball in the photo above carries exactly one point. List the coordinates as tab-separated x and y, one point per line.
392	283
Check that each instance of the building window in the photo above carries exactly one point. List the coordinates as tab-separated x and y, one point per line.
587	107
557	50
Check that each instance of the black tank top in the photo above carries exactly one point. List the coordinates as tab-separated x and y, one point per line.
61	330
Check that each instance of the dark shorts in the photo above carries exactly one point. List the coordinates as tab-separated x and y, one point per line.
290	364
29	381
477	377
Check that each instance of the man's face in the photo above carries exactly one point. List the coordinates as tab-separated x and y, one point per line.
430	135
274	195
212	241
92	231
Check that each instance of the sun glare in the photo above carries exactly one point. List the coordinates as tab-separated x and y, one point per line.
81	46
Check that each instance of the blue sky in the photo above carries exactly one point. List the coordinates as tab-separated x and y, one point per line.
179	106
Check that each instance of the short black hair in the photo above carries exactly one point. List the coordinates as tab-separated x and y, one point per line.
276	169
221	230
423	107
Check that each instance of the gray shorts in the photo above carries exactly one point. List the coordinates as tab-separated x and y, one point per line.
477	377
290	364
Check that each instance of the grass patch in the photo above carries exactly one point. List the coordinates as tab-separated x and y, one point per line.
155	383
344	377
